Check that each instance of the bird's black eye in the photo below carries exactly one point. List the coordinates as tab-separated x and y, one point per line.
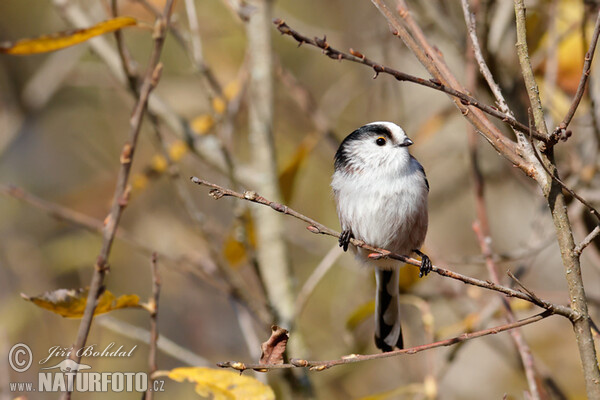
380	141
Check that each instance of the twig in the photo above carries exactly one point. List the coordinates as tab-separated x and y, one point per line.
412	36
481	225
153	309
314	278
354	358
587	241
194	52
555	198
587	65
165	345
527	71
360	58
121	193
555	178
317	228
483	67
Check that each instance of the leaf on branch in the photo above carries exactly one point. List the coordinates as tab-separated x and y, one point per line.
60	40
273	349
234	248
289	173
223	385
70	303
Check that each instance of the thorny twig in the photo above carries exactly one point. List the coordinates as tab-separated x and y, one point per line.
121	194
378	253
354	358
357	57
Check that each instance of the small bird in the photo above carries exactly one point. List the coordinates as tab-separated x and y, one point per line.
381	193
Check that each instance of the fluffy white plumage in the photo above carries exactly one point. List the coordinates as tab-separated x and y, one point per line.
381	197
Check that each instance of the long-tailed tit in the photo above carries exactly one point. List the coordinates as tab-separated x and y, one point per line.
381	196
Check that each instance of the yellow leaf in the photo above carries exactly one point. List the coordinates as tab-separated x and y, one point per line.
222	384
234	250
219	105
202	124
64	39
360	314
159	163
287	177
231	90
177	150
409	275
70	303
139	182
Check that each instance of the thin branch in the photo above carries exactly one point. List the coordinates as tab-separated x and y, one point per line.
165	345
378	253
587	241
431	58
583	201
314	279
527	71
359	58
354	358
587	66
483	67
153	308
121	194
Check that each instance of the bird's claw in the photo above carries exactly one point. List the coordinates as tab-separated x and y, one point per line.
345	238
426	265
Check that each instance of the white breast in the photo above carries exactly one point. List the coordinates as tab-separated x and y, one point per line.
386	210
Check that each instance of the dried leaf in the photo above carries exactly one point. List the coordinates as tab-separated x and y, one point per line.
273	349
64	39
70	303
287	177
223	385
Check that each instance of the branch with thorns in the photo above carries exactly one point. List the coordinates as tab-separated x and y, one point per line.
360	58
218	192
354	358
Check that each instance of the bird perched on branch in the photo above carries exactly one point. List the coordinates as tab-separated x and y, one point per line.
381	197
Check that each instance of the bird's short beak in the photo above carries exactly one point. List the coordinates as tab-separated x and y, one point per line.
405	143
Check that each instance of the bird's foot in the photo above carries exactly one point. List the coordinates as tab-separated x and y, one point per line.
345	239
426	265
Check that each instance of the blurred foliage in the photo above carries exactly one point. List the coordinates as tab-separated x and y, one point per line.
63	121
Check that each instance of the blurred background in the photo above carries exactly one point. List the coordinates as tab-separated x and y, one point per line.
64	118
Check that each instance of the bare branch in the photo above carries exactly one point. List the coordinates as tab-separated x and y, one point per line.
359	58
378	253
587	241
527	70
354	358
483	67
121	193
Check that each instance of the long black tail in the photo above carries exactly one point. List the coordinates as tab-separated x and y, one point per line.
388	332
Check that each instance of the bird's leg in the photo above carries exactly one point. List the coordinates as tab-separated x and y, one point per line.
425	263
345	239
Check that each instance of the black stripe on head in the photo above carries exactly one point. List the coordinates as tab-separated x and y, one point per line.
341	155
